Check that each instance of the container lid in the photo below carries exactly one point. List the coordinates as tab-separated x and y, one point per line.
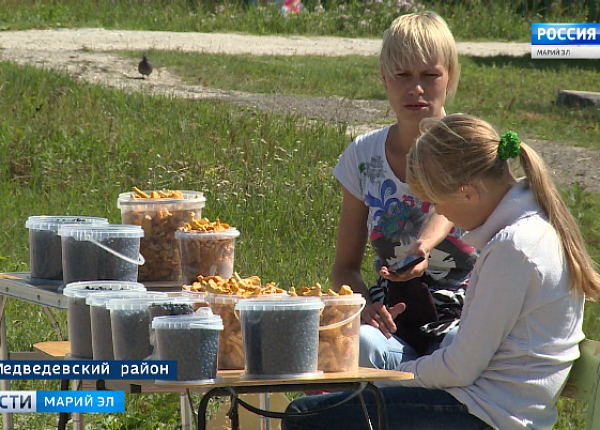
52	223
348	299
207	235
135	304
186	291
191	200
99	232
220	299
101	299
202	319
283	304
84	288
174	299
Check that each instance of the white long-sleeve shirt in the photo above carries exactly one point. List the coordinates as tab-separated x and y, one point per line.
520	327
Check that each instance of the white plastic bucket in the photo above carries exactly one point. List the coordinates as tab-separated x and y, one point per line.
109	252
78	311
191	340
45	251
280	336
160	218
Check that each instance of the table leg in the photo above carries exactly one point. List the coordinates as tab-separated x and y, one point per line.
381	410
265	404
233	413
7	418
186	412
53	321
63	417
78	423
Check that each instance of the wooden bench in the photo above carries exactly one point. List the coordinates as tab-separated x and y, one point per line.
584	382
56	349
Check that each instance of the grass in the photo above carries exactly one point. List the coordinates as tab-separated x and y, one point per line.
473	20
487	86
71	148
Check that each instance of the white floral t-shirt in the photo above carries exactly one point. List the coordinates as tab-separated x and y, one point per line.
395	214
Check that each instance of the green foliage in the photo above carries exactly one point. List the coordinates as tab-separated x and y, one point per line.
476	19
71	148
486	89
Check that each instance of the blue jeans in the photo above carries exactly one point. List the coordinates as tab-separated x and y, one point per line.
375	350
408	408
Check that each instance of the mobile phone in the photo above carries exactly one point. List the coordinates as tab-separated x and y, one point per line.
408	262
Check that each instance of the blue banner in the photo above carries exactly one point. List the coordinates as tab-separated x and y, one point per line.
80	401
62	401
88	369
565	34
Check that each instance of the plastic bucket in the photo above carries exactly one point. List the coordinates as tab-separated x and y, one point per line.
192	340
45	252
160	219
198	297
109	252
338	333
130	326
179	305
231	351
78	311
102	343
280	337
206	253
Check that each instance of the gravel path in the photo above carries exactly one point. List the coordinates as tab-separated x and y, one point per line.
85	54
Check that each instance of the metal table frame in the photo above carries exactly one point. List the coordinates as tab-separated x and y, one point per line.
231	383
43	294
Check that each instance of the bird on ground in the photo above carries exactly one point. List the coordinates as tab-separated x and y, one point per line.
145	67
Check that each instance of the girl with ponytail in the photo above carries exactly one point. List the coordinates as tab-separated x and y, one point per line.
522	318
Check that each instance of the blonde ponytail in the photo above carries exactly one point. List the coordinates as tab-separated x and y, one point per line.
583	271
461	149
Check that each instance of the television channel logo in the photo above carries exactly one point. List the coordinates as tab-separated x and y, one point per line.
62	401
570	41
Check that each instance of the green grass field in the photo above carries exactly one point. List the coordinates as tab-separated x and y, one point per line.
70	148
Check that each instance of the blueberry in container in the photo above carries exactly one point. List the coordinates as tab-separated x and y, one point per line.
109	252
171	306
280	336
191	340
78	311
102	342
45	252
130	327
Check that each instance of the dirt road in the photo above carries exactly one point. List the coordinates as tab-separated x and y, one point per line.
85	54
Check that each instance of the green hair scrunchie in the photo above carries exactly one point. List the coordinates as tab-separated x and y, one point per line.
509	146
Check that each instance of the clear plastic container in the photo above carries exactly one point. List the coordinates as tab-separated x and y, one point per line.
231	351
78	311
198	297
281	336
206	253
192	340
102	344
101	252
178	305
130	326
338	339
45	252
160	218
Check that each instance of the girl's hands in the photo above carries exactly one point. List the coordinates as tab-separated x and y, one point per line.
418	248
414	272
382	317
